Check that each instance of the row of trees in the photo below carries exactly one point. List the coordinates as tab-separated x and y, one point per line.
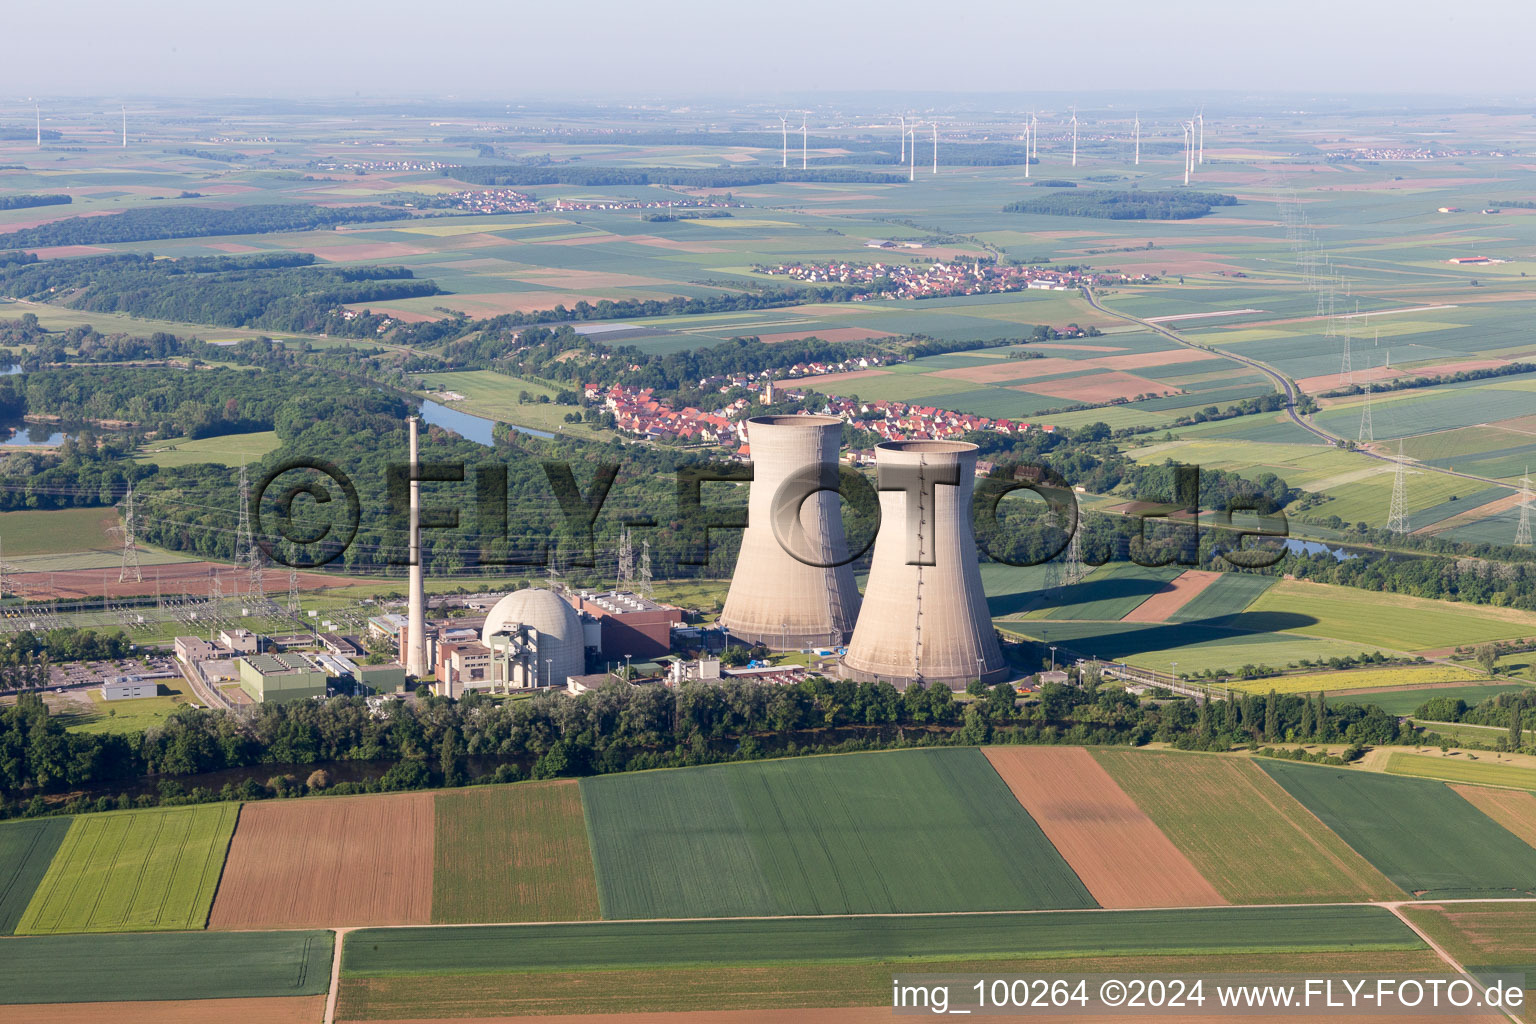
1112	204
27	202
624	728
153	223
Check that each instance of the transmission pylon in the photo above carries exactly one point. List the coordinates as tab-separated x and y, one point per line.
5	584
293	591
1367	428
1346	371
643	578
1523	528
1074	571
130	569
626	574
1397	514
246	549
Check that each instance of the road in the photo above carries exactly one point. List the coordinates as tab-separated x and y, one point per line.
1288	387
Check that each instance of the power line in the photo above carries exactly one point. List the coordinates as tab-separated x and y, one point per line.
1397	512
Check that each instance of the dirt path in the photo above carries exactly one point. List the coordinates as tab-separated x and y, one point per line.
1441	952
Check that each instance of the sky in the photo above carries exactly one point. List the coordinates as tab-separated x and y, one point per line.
680	49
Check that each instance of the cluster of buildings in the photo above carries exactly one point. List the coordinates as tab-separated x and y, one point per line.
900	421
637	411
380	166
931	280
243	667
1400	153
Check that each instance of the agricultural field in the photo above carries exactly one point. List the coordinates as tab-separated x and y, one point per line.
1391	620
1404	702
225	450
60	531
861	833
190	966
1476	773
1241	831
1419	833
125	871
251	1010
1516	811
512	853
1109	594
26	849
329	862
1118	852
1361	678
1484	937
823	962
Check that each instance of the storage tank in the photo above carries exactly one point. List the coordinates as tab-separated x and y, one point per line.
776	598
925	622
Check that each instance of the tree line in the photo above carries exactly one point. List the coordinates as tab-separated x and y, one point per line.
150	224
712	177
1113	204
26	202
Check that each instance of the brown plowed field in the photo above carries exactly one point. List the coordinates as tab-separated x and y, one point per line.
329	862
1121	856
1162	606
283	1010
172	579
1514	810
1099	387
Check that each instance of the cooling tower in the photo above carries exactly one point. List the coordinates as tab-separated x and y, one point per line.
776	598
927	622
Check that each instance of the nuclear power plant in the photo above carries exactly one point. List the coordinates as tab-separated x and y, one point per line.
804	599
925	622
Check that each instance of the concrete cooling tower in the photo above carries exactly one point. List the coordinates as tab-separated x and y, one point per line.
776	598
925	622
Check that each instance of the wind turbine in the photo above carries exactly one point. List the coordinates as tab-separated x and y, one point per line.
903	118
1138	139
1034	136
935	147
1201	118
1189	131
1074	136
803	150
1027	137
912	155
784	130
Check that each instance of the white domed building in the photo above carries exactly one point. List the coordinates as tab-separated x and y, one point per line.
535	639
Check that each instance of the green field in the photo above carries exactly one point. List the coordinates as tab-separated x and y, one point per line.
26	849
512	853
1418	833
198	965
403	951
55	532
1391	620
1244	834
1484	937
861	833
1230	594
1461	770
130	716
1406	702
225	450
134	871
1109	593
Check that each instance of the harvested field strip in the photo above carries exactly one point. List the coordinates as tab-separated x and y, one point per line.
331	862
512	853
848	834
189	965
1420	834
1164	606
283	1010
1485	937
1118	852
1514	810
1446	770
1245	835
648	994
639	944
26	850
129	871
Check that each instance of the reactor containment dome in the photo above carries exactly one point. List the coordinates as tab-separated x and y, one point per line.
557	628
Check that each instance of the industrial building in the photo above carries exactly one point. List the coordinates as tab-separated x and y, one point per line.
925	622
128	688
788	592
629	625
280	677
531	638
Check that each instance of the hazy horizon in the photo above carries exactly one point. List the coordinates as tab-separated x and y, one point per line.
476	50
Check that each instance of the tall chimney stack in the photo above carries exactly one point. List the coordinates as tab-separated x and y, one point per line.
416	629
